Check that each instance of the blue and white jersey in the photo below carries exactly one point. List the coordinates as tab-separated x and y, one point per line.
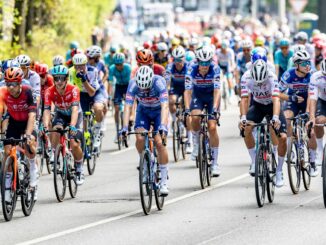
241	63
148	98
294	84
201	85
175	76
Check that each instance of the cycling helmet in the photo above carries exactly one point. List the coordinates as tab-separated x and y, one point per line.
284	42
23	60
260	41
193	41
323	66
247	43
93	51
14	74
319	45
259	71
178	53
205	53
57	60
118	58
258	53
41	69
74	45
145	57
162	46
227	35
298	47
146	45
225	44
59	70
301	36
300	56
79	59
315	32
113	49
175	42
144	77
278	35
237	39
190	56
9	63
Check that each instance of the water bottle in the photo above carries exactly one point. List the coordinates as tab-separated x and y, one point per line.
21	170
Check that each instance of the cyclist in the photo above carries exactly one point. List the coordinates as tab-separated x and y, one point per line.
262	83
282	57
162	56
85	77
276	44
317	108
21	108
72	46
145	57
58	60
225	57
119	75
193	42
202	88
302	38
108	57
319	46
257	54
190	56
66	99
175	78
152	95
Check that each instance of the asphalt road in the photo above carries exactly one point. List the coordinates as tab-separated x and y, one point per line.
107	208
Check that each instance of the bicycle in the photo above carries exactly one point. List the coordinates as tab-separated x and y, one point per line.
18	169
43	149
149	174
298	160
89	154
119	125
178	130
63	168
265	163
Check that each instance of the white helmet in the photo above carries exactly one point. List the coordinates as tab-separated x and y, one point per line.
178	52
259	71
193	41
79	59
57	60
278	35
144	77
227	35
323	66
247	43
162	46
300	56
225	43
298	47
94	51
205	53
23	60
303	36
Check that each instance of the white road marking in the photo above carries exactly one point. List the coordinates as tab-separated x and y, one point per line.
122	216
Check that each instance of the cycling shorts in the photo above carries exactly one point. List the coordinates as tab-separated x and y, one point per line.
119	93
146	116
198	103
64	121
87	101
295	107
321	108
177	89
226	71
16	129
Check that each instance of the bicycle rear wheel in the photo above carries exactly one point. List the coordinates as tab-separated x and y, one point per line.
145	182
202	162
27	198
73	187
208	164
8	207
40	152
323	175
59	174
305	167
260	177
271	177
182	139
294	167
91	158
176	141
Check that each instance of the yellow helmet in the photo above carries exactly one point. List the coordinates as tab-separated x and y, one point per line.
175	42
260	41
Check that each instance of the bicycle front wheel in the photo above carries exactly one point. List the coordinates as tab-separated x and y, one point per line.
59	174
27	199
73	187
176	142
145	182
305	167
271	177
202	162
294	167
260	177
159	200
323	174
9	205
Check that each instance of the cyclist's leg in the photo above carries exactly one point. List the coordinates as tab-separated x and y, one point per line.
196	108
142	124
172	100
30	152
319	131
118	95
213	138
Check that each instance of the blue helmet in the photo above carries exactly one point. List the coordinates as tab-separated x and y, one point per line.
113	49
258	53
59	70
74	45
118	58
284	42
190	56
9	64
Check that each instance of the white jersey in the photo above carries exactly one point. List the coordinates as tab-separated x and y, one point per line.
270	66
317	86
226	59
262	93
35	82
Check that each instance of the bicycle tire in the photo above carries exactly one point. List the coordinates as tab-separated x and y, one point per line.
271	178
59	174
175	141
208	165
47	157
260	177
40	142
8	208
323	174
306	170
202	164
91	162
73	187
145	189
26	202
159	200
294	167
182	140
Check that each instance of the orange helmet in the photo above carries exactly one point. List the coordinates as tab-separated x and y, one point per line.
14	74
145	57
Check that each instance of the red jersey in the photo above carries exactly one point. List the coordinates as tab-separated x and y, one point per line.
18	108
158	70
48	83
63	103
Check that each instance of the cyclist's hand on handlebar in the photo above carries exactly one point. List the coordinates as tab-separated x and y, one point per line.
243	122
72	130
28	138
216	113
310	124
276	122
124	131
163	130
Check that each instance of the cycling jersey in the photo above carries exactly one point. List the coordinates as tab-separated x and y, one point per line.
282	61
63	103
18	108
120	77
149	98
47	84
100	66
92	76
176	79
262	93
225	60
317	86
294	84
241	63
163	62
35	82
108	60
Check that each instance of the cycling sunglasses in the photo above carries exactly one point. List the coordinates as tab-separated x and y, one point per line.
177	60
204	63
61	78
12	84
305	63
285	47
246	50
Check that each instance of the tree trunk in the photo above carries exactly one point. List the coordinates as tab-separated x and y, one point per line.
29	22
20	27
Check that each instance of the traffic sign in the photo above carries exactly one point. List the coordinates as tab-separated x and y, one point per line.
298	5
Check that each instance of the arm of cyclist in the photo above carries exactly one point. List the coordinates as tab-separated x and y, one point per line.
244	103
87	81
313	97
188	92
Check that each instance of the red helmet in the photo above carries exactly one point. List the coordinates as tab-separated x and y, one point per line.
14	74
145	57
75	51
41	69
146	45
